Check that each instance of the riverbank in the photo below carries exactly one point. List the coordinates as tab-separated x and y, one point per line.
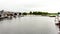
14	14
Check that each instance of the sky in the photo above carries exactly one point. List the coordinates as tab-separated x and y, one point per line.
51	6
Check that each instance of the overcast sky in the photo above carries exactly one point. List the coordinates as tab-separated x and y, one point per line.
30	5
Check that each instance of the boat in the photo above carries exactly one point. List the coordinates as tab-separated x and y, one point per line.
57	21
58	24
52	16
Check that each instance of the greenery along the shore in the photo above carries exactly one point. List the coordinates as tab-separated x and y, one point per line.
39	13
2	12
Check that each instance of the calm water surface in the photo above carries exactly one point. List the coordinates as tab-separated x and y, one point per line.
28	25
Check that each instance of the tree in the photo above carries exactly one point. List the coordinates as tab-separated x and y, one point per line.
44	13
39	13
24	13
15	13
30	12
19	13
35	13
58	12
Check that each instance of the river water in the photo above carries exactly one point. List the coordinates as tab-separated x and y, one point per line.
28	25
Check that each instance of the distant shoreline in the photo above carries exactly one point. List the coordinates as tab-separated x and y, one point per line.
8	13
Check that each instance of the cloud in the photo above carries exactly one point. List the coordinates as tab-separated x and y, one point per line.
30	5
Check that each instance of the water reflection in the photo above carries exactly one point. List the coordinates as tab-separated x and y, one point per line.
1	19
5	19
28	25
10	18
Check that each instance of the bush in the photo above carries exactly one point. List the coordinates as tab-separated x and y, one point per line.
15	13
24	13
19	13
30	13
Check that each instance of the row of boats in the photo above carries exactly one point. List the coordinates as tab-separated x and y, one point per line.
10	16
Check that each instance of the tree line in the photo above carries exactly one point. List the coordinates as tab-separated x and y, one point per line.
35	13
